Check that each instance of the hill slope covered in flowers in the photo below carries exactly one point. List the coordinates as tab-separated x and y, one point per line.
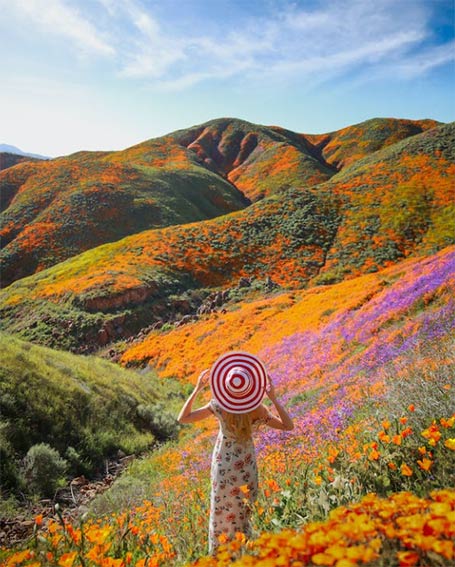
59	208
396	203
367	370
56	209
335	264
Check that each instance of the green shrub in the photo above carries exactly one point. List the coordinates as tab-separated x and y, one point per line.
9	472
43	469
96	409
162	424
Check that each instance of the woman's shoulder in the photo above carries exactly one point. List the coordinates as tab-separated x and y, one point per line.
260	415
259	412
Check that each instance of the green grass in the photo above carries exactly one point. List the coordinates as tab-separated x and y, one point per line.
84	407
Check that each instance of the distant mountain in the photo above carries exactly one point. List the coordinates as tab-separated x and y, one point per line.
343	147
259	160
7	148
8	160
56	209
396	202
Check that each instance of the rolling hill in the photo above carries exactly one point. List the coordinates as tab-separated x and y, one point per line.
8	160
343	147
57	209
329	256
383	208
84	408
54	210
365	368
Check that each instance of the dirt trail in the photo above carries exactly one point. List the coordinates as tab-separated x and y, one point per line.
73	501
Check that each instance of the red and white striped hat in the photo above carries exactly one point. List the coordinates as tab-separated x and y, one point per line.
238	381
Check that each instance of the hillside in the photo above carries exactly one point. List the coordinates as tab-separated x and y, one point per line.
258	160
59	208
393	204
343	147
373	314
345	359
84	408
8	159
365	368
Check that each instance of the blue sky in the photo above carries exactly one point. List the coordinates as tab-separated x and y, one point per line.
106	74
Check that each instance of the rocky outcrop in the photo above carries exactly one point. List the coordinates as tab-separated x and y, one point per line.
132	296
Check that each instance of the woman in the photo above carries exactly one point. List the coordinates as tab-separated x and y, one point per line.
234	476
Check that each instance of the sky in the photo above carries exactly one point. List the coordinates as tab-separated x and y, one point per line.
107	74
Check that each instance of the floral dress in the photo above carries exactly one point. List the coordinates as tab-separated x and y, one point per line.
234	483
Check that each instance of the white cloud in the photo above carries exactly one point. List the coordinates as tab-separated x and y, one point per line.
59	19
426	60
334	38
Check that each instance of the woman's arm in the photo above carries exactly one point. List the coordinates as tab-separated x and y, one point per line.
285	421
186	414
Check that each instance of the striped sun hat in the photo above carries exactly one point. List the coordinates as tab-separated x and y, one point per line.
238	381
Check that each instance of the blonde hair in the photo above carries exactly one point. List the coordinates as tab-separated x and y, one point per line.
239	424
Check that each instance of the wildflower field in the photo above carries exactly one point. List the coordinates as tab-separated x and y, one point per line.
367	477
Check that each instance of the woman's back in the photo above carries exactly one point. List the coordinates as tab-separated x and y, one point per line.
234	479
237	427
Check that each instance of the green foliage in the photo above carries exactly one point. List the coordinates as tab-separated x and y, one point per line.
76	203
9	471
83	407
44	469
162	424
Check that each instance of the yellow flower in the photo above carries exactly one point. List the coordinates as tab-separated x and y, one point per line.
405	470
444	548
447	423
374	455
450	444
407	558
67	559
425	464
19	557
384	437
323	559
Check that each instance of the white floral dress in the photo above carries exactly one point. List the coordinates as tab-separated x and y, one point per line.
233	466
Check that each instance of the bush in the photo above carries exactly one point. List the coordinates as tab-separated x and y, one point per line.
9	473
162	424
43	469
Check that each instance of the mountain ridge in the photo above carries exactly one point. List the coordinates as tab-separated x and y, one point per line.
205	170
395	204
9	149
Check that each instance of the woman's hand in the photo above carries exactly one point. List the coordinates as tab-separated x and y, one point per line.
203	380
285	421
270	389
187	415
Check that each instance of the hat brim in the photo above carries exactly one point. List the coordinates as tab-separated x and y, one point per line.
243	402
